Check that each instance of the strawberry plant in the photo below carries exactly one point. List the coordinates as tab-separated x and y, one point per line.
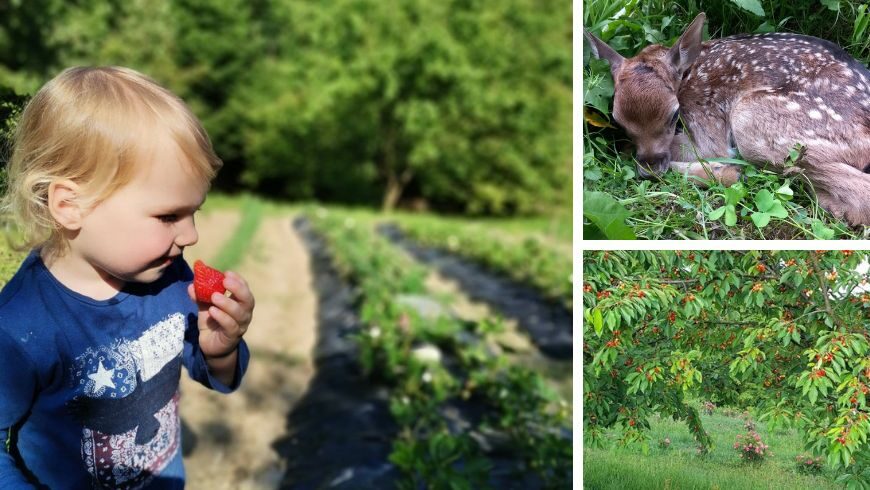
531	260
515	400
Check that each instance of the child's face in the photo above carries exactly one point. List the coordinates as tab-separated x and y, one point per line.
134	234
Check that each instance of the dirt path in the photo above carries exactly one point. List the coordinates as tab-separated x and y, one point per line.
228	444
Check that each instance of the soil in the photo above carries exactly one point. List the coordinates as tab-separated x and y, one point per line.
227	439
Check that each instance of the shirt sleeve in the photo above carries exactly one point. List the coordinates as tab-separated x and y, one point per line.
197	367
18	386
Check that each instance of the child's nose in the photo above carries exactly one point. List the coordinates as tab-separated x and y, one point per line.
187	233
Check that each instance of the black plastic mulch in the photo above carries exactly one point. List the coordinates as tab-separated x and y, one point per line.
548	324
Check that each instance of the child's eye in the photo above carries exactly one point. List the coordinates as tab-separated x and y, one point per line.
168	218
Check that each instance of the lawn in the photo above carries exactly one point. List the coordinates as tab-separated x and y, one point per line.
680	467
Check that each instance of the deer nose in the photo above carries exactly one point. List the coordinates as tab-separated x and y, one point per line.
650	166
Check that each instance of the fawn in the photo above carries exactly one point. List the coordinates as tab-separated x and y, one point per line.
757	94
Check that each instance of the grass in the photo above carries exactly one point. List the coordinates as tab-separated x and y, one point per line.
674	207
233	250
679	466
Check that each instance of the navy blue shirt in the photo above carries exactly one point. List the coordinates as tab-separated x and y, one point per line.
89	389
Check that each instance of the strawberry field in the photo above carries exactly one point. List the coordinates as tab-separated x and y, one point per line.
463	411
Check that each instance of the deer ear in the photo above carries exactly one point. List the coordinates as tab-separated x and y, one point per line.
686	50
601	50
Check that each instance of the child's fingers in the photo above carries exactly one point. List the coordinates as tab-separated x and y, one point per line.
231	307
228	324
239	287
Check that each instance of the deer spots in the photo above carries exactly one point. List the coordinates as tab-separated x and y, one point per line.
793	106
814	114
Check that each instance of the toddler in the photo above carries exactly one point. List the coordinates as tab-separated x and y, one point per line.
107	172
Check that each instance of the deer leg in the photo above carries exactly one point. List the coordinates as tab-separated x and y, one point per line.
704	173
685	155
841	189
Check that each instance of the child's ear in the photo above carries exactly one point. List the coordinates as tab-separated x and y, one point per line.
63	204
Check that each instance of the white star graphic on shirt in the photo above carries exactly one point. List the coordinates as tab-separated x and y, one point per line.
103	377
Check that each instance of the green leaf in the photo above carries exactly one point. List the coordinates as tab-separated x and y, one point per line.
734	194
821	231
785	192
760	219
597	321
592	173
753	6
716	213
832	4
730	215
764	200
607	215
777	210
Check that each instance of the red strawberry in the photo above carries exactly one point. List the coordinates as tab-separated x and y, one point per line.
206	281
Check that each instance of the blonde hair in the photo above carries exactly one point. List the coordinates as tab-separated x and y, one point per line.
90	125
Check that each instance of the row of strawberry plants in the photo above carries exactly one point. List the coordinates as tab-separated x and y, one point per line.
530	261
431	365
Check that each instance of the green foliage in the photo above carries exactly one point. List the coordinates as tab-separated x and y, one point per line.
530	260
435	462
782	331
11	105
606	216
465	105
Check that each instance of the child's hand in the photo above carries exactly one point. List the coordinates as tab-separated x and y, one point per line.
223	323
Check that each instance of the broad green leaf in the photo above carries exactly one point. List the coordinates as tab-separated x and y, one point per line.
592	173
821	231
734	194
760	219
716	213
597	321
785	192
832	4
753	6
607	215
764	200
777	210
730	215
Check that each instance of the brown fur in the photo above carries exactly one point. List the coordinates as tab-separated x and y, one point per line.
759	94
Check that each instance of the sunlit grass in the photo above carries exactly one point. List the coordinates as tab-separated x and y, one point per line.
680	467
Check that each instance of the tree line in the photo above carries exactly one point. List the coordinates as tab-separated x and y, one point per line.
461	105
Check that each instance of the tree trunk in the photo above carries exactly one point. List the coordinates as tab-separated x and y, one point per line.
395	186
391	194
390	165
